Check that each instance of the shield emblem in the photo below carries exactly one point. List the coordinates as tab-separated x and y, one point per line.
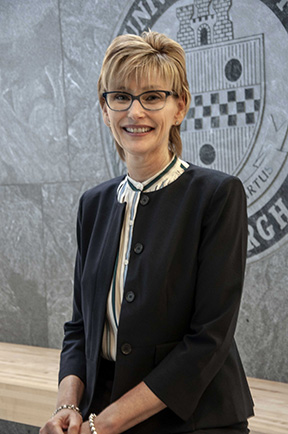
226	78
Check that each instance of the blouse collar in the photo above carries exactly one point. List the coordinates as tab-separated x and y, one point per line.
164	177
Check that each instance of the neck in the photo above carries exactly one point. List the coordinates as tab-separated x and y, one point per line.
141	168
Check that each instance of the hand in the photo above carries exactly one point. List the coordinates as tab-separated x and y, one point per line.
85	428
64	420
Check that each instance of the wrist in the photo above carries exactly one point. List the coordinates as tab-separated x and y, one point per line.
103	423
71	407
91	423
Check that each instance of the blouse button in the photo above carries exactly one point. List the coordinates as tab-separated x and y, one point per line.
138	248
144	199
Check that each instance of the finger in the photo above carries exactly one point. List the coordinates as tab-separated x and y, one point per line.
51	427
74	427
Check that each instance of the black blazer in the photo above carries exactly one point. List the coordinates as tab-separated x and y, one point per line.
181	299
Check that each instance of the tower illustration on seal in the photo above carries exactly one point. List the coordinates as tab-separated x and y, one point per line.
226	78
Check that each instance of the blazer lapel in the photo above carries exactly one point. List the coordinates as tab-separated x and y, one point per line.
110	245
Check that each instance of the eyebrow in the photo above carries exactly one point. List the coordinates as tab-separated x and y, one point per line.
144	89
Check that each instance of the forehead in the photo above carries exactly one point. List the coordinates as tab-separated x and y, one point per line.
141	83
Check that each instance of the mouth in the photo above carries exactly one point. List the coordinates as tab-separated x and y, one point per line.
137	130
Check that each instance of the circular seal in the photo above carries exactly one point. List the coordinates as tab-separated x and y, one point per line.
237	121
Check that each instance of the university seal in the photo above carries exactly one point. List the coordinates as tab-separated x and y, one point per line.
238	118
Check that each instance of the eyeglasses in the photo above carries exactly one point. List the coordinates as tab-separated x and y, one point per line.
152	100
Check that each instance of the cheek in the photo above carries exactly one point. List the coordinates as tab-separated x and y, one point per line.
113	122
168	122
115	128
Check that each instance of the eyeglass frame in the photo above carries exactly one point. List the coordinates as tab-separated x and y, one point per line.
137	97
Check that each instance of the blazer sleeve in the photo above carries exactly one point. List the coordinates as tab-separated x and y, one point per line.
72	361
181	378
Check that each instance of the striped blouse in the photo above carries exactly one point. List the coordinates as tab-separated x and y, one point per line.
129	191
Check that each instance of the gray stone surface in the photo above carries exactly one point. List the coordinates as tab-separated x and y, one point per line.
85	36
59	309
53	148
22	297
16	428
60	203
262	332
50	153
32	109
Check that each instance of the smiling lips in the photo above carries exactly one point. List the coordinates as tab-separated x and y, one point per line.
137	130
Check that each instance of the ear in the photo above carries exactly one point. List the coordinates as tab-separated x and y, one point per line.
105	115
181	112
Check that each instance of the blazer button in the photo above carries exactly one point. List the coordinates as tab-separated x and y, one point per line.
126	349
130	296
144	199
138	248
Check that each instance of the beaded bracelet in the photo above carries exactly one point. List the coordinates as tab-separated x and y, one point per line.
67	407
91	423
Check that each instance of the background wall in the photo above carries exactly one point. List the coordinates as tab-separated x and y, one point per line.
54	147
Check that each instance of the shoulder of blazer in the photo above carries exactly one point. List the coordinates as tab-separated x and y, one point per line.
104	191
209	175
207	181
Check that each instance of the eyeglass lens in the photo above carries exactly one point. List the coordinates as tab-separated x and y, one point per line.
152	100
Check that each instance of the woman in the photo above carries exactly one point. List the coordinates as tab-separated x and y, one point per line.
159	269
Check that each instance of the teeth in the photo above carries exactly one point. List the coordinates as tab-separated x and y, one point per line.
138	130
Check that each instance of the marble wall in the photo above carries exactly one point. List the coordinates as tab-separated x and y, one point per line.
54	146
50	153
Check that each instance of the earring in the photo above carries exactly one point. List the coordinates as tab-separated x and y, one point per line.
176	123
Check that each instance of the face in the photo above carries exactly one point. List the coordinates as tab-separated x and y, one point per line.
140	132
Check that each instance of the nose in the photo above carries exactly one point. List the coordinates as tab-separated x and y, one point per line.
136	110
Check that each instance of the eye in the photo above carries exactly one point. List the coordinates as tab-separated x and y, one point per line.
121	97
153	97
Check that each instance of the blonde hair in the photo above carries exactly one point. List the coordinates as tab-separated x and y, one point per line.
134	57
